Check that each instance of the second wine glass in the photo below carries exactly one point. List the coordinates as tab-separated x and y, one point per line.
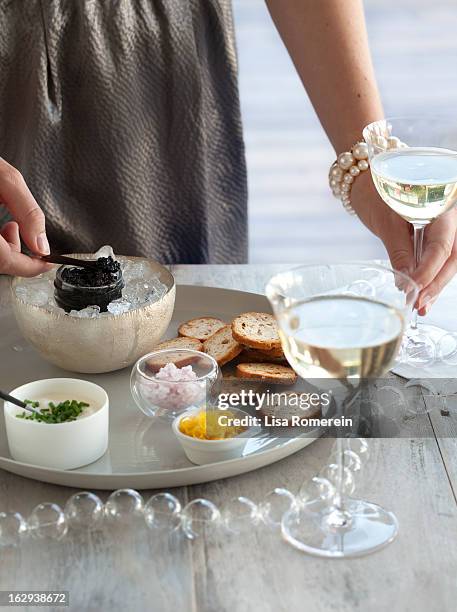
413	163
345	322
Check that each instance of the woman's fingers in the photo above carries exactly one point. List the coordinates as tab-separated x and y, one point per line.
439	258
12	261
15	262
16	196
399	246
10	232
29	222
384	222
439	249
23	265
446	274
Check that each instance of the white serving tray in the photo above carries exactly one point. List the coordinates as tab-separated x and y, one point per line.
142	453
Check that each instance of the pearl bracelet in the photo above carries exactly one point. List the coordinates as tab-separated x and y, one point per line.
345	170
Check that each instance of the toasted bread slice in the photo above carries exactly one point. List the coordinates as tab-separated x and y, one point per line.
180	343
256	330
256	356
156	363
201	328
222	346
267	372
275	353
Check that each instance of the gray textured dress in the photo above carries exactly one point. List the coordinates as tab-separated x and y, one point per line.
123	116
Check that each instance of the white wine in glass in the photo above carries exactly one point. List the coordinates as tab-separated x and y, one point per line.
418	183
340	336
344	322
414	168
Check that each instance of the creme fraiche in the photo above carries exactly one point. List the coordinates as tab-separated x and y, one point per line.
61	446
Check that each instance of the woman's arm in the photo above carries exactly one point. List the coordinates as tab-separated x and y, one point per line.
328	44
28	220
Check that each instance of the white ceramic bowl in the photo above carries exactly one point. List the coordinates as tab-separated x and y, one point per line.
63	446
201	452
102	344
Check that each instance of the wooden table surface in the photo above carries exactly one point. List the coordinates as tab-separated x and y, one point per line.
416	477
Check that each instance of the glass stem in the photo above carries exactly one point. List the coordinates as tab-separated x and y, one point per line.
338	519
338	500
418	242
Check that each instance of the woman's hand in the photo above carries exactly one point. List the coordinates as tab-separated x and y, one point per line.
328	44
29	222
439	258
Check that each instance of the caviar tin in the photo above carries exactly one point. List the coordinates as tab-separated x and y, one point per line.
74	297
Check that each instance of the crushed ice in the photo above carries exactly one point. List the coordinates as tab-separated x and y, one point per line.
142	286
90	312
119	306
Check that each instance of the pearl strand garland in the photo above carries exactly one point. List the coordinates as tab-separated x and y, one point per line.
348	166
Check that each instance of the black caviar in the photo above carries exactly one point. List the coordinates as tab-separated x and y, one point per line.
106	273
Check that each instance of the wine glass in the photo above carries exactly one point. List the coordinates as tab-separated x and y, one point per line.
344	322
414	168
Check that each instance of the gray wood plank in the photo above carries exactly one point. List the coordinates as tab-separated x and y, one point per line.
251	277
445	429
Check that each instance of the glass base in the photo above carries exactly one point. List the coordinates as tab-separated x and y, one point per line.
324	531
420	344
427	352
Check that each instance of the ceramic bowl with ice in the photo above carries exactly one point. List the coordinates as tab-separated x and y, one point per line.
88	340
63	446
168	382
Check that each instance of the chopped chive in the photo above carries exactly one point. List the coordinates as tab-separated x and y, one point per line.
64	412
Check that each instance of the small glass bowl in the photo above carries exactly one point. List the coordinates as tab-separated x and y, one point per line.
169	398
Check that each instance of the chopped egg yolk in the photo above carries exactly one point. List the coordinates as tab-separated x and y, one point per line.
206	425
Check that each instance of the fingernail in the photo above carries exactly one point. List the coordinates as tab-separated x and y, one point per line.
43	244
